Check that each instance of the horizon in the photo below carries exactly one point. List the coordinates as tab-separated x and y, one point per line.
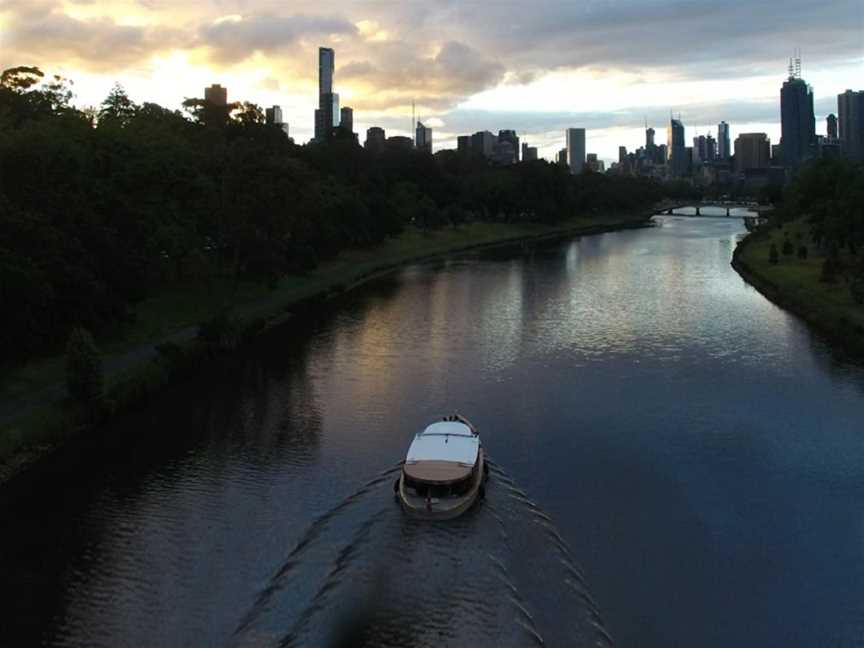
566	67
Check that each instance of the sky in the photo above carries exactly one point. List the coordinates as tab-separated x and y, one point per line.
536	66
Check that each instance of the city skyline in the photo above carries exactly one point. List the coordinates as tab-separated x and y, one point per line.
570	72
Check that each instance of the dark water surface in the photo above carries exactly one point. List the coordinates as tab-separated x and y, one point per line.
658	429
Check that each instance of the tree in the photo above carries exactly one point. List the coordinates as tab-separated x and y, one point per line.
21	78
84	372
117	108
248	113
773	256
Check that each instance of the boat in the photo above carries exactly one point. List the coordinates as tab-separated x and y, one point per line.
444	471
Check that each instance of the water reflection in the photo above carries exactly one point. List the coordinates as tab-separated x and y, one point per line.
651	416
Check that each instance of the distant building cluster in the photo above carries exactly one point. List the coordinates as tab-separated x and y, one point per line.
751	158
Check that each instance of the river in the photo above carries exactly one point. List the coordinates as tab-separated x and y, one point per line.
676	462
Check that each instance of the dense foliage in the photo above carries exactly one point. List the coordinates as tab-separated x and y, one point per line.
102	207
829	194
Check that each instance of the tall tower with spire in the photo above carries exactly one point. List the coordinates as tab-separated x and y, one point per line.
797	120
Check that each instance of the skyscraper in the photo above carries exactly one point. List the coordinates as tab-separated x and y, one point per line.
346	118
575	139
327	113
850	110
273	115
511	137
678	162
375	139
710	149
752	151
483	143
216	95
723	144
423	138
529	153
831	126
463	144
649	137
622	154
797	121
700	148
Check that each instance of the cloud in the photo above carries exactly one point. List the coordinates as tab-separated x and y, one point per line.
398	74
40	32
233	41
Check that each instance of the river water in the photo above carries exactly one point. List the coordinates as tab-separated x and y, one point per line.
676	462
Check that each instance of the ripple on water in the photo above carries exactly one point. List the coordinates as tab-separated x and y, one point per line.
366	574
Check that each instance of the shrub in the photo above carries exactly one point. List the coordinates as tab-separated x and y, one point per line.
773	256
802	252
788	248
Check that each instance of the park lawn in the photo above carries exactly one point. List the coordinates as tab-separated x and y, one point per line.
179	307
798	280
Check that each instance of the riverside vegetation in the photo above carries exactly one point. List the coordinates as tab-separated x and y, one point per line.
810	257
128	222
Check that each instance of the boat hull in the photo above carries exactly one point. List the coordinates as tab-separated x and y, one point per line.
445	508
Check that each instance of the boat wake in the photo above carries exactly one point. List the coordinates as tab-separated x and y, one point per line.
365	574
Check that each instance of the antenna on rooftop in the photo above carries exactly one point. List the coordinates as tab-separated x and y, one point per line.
798	63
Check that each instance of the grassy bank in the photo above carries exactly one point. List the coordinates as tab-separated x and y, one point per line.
794	284
134	368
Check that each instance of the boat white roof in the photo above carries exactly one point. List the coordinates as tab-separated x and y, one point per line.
451	441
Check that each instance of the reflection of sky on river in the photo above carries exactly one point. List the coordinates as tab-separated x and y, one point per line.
698	450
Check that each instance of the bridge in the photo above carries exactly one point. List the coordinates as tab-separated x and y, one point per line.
728	205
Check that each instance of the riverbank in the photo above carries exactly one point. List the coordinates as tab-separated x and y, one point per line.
794	284
163	342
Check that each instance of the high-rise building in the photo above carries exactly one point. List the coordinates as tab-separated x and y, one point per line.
710	149
326	68
375	139
483	143
622	154
591	162
752	151
273	115
513	139
797	121
724	146
346	119
831	126
562	157
216	95
529	153
327	113
463	144
575	139
700	149
776	155
850	111
423	138
649	138
679	161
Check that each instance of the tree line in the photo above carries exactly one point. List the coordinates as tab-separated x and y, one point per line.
829	194
101	207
